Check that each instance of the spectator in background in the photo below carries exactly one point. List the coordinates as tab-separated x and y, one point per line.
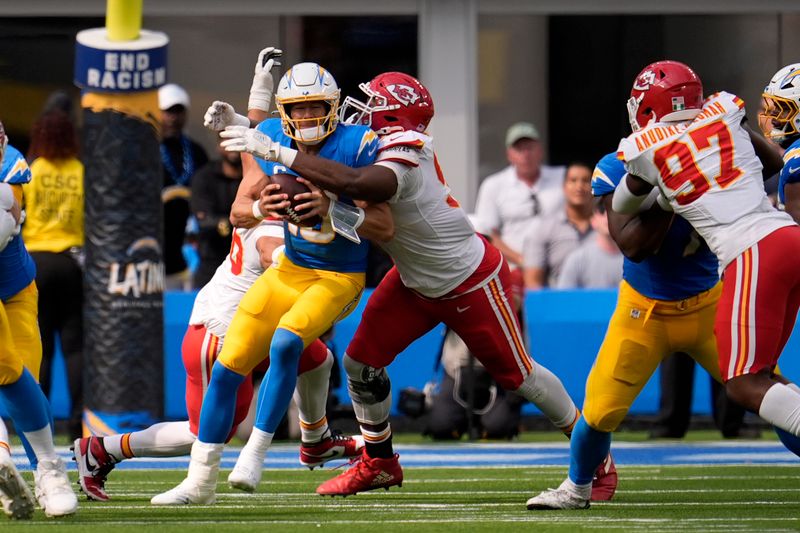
549	240
595	264
53	233
181	158
213	191
511	199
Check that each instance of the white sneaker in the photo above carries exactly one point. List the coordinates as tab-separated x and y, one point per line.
186	493
53	489
15	495
564	497
246	474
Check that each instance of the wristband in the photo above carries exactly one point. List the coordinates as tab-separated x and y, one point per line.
257	214
285	155
663	203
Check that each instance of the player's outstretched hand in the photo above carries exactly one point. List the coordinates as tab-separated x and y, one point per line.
220	115
252	141
263	83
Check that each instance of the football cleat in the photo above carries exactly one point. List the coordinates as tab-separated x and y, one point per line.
366	473
94	463
53	490
558	499
15	495
186	493
246	475
336	446
604	484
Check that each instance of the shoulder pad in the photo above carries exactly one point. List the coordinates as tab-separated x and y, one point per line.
402	138
14	168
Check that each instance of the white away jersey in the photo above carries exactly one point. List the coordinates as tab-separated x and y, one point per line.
708	170
435	247
218	299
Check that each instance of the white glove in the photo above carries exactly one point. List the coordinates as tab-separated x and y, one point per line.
220	115
261	90
252	141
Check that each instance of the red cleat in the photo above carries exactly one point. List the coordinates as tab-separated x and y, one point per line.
94	464
605	480
367	473
336	446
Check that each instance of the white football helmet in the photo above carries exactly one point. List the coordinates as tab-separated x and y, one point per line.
779	117
306	82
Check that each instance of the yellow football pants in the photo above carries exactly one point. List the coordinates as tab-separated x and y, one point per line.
20	341
641	333
305	301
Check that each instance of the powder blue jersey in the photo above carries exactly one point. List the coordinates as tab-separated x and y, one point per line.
17	268
682	267
790	173
320	247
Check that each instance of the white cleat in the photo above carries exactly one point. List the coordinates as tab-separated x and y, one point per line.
186	493
564	497
53	489
246	475
15	495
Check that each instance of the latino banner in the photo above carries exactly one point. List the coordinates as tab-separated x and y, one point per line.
119	69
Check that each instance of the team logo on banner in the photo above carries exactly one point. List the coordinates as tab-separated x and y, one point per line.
141	274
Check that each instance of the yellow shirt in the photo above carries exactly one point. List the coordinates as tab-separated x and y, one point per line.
54	206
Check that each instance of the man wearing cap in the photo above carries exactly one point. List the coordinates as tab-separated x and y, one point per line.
509	200
181	158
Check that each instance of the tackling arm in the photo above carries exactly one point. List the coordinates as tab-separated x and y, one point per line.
378	225
374	183
769	156
638	235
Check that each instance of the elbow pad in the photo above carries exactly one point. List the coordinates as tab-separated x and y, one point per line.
624	201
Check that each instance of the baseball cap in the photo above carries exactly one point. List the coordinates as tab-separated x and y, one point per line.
521	130
171	95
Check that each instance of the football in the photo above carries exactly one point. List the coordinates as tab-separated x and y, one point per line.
290	186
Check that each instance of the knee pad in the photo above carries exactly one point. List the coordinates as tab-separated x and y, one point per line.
606	420
370	390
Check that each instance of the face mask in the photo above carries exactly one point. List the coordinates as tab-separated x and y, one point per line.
311	135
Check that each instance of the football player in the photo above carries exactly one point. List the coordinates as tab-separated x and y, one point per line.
317	280
780	121
20	358
444	272
252	250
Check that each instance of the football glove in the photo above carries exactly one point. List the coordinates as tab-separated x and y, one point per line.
220	115
252	141
261	90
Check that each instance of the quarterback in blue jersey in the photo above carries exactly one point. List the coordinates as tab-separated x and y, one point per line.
667	303
316	281
20	358
780	121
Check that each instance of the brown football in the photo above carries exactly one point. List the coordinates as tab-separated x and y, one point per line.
290	186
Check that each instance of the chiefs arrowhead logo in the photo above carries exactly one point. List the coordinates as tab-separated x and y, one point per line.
645	80
404	94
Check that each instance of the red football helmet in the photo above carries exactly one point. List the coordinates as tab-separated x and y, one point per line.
397	102
665	91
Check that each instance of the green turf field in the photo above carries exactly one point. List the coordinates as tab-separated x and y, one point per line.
702	498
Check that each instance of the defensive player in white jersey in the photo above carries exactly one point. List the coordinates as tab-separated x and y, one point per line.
780	121
444	272
702	157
